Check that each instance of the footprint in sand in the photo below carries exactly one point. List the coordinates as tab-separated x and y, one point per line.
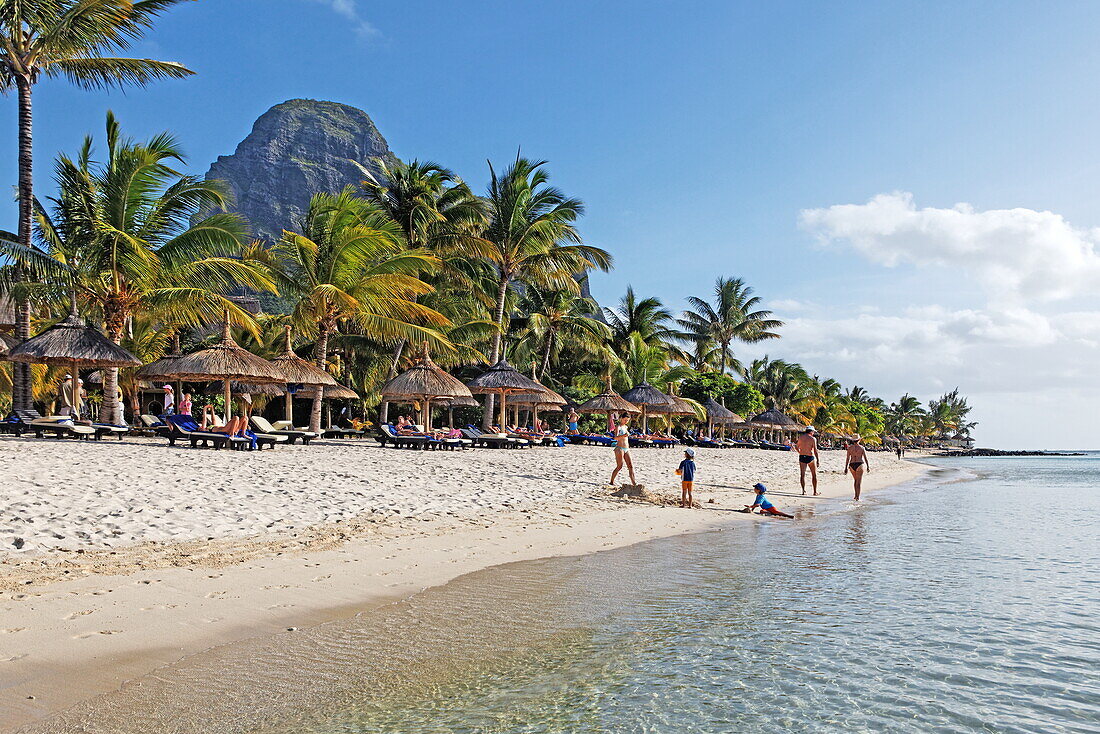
276	586
216	594
148	581
93	634
81	613
16	657
12	630
322	578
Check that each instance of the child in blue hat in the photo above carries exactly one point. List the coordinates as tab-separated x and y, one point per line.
686	470
766	507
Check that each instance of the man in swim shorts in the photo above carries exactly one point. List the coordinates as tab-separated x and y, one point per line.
806	445
573	423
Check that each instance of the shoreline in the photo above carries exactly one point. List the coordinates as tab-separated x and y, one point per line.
91	634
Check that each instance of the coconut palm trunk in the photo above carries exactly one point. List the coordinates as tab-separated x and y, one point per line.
21	372
321	354
115	321
498	338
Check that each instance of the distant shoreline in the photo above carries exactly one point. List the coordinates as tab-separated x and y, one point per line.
968	453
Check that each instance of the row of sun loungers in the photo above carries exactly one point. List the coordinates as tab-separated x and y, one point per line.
58	426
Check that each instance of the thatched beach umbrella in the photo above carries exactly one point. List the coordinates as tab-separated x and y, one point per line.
424	382
775	420
226	361
646	397
608	402
72	344
453	403
7	343
502	379
298	371
543	399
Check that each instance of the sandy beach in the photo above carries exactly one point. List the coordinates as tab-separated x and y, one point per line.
118	558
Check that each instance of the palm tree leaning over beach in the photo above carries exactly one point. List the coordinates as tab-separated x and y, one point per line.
119	237
532	238
735	315
350	263
71	39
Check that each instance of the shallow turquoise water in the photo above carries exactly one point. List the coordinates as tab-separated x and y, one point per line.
938	606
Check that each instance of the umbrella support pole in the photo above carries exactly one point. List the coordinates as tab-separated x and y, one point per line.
289	406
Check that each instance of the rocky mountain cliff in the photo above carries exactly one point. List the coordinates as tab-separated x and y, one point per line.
295	150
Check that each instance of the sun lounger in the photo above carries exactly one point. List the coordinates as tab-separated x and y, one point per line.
184	427
261	425
493	440
19	420
60	426
389	434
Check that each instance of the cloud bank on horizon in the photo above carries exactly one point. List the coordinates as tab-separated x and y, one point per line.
1029	331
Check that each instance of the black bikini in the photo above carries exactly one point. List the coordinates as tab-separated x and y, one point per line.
855	465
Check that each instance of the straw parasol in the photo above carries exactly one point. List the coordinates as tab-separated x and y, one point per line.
7	343
773	418
608	402
544	398
503	379
647	396
425	381
298	371
453	403
226	361
72	344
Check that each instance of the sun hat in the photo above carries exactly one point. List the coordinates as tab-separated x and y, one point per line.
854	438
760	487
166	387
689	452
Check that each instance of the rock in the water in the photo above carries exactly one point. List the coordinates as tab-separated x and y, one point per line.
295	150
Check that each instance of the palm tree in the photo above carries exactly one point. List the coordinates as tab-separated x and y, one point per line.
734	315
905	417
560	317
785	385
350	264
438	215
119	237
67	38
531	238
646	317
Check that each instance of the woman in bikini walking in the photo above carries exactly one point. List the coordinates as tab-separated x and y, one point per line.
622	450
856	462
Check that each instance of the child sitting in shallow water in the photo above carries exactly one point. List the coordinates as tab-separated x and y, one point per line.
766	507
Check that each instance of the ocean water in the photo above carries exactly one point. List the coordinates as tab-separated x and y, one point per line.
968	601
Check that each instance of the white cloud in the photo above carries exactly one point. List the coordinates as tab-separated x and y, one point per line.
1016	254
350	11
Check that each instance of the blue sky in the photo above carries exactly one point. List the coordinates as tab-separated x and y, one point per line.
698	134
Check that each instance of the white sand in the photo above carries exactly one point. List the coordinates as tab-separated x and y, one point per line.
134	554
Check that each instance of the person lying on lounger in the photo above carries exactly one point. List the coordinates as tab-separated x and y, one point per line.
766	507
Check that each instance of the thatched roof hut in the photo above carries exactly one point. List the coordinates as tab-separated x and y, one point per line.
716	412
608	401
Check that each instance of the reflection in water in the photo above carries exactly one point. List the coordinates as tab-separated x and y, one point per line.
940	607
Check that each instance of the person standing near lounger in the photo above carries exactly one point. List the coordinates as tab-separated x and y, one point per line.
622	450
573	423
857	462
169	400
808	457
